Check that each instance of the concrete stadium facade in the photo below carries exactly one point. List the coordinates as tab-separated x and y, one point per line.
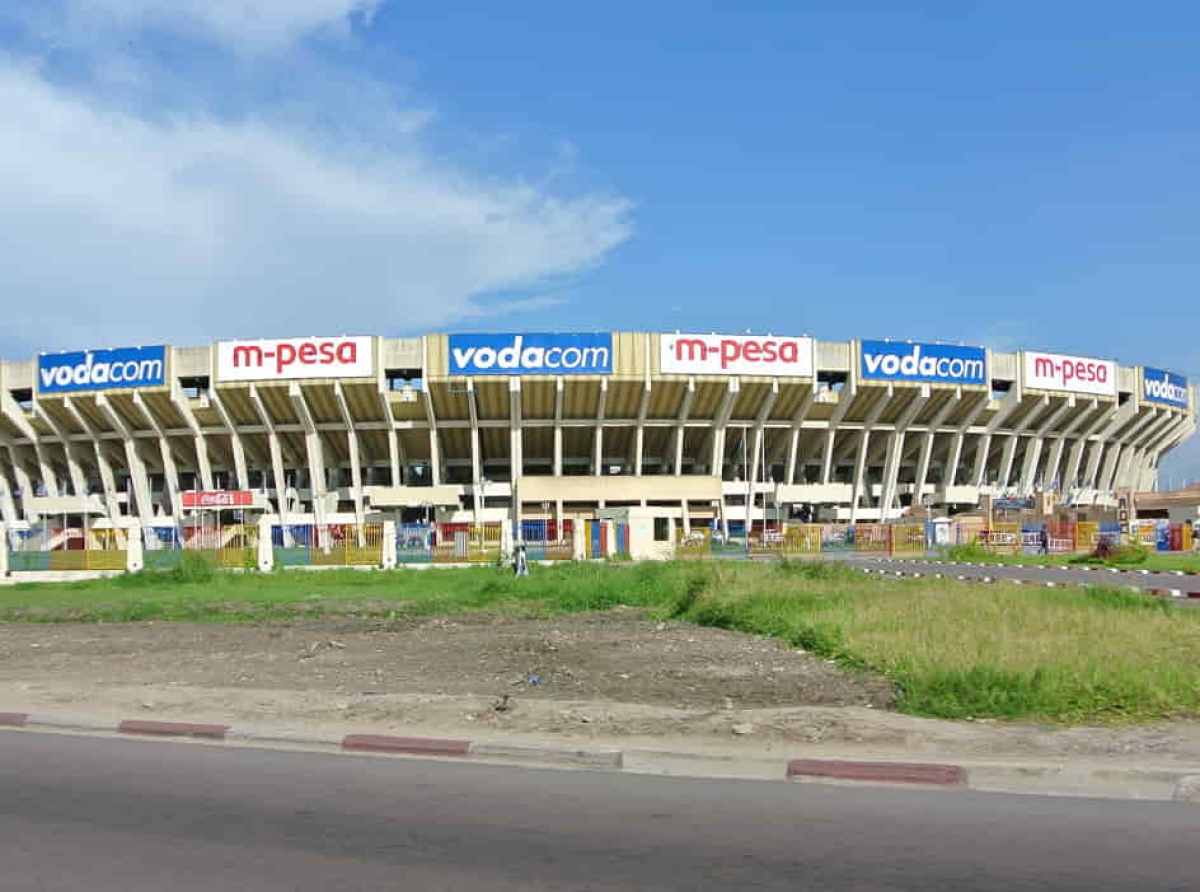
487	427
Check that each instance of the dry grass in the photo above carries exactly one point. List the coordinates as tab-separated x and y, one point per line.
960	650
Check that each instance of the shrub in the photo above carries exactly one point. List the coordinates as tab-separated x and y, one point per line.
970	553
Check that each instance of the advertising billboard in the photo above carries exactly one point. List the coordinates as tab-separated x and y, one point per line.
102	369
1070	374
290	358
935	363
533	353
697	354
217	499
1160	386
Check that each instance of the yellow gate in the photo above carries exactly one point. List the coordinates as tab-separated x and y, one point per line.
1004	538
1087	535
802	538
908	538
474	543
348	545
871	537
239	547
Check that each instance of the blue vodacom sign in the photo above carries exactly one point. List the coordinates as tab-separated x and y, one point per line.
531	354
1165	387
936	363
102	369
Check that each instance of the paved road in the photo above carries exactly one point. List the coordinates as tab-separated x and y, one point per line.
1063	576
99	814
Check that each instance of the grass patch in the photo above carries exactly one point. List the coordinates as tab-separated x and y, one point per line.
954	650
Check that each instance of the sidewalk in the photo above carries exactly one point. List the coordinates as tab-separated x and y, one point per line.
750	751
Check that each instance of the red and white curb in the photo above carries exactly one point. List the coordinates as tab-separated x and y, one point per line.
947	776
929	775
1174	782
362	743
1080	568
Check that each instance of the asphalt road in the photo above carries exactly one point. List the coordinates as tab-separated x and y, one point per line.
101	814
1063	576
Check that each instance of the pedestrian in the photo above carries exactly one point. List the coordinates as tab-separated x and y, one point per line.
1045	540
520	564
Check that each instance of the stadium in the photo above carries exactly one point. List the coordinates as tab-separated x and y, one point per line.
504	437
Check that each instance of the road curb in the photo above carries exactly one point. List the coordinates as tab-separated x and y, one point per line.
385	744
407	746
1049	583
923	774
1180	783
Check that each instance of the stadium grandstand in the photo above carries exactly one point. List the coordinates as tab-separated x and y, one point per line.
710	430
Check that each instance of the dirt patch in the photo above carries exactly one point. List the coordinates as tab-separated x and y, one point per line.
617	655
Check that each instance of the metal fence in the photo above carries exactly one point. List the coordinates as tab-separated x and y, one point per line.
43	547
473	543
546	540
327	545
229	546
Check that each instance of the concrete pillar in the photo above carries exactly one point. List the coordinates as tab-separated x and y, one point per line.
579	541
135	558
266	546
389	545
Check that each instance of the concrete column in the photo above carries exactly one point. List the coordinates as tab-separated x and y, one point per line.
281	501
393	439
895	447
1011	401
389	545
715	439
135	558
1110	417
107	478
137	468
685	411
168	457
16	415
477	494
266	547
1006	460
74	468
598	444
435	455
639	433
930	438
24	482
517	444
202	460
845	398
352	448
558	431
864	444
1033	453
314	448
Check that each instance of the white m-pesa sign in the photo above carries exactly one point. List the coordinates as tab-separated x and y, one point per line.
696	354
1070	374
288	358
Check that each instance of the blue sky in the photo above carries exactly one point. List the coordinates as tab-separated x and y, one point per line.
1013	175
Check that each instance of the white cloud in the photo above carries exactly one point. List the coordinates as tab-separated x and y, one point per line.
247	25
117	228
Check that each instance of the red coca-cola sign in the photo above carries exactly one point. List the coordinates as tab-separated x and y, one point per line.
218	499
